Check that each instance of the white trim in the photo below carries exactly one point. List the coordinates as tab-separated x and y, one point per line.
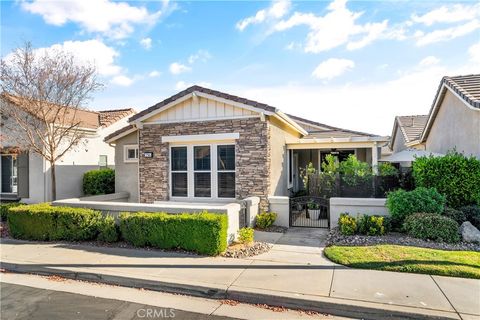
201	119
125	153
284	118
201	137
121	135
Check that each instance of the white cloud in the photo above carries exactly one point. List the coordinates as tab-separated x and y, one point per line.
146	43
446	34
332	68
429	61
122	80
200	55
277	10
448	14
182	85
113	19
474	53
154	74
178	68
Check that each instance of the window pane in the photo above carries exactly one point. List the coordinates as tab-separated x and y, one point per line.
202	157
226	157
226	184
132	153
179	184
179	159
202	184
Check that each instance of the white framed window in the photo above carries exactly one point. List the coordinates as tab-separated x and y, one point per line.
130	153
202	171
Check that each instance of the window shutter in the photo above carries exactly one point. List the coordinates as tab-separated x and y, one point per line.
22	175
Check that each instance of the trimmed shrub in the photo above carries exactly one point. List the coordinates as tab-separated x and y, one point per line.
403	203
246	235
431	226
205	233
371	225
265	219
5	207
472	214
454	175
45	222
455	214
107	229
347	225
100	181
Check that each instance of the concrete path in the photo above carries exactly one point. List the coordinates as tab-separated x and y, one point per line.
293	274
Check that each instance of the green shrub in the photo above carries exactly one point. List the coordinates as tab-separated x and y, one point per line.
246	235
107	229
205	233
386	169
472	214
100	181
347	225
455	214
403	203
265	219
5	207
45	222
454	175
431	226
371	225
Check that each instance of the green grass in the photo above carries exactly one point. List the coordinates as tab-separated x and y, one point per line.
465	264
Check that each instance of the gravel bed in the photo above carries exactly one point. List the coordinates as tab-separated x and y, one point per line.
244	251
277	229
336	238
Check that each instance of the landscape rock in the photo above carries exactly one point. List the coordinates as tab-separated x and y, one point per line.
469	232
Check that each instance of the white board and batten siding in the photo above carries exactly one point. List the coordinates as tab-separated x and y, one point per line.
200	109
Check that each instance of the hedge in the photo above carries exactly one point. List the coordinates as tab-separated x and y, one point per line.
454	175
403	203
100	181
204	233
46	222
431	226
5	207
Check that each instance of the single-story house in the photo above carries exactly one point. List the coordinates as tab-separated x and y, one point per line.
25	175
407	130
202	144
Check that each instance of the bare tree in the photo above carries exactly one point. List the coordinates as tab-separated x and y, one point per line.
43	92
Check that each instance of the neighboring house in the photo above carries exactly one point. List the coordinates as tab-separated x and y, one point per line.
202	144
26	175
406	132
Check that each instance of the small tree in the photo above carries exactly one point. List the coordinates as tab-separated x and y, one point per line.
42	93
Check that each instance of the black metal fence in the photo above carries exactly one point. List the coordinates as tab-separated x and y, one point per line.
309	211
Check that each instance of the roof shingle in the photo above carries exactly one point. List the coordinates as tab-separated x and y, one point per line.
411	126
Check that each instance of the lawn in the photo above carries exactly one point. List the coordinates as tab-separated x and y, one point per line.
465	264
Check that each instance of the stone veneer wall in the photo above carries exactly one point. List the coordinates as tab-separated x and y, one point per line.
251	149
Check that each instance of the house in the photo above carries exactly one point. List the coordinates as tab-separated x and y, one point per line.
202	144
26	175
406	132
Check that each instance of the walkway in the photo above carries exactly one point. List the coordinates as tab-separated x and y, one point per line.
294	274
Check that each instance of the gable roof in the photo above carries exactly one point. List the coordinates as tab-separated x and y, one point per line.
327	131
466	88
109	117
411	127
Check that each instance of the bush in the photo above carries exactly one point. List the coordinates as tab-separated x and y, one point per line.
205	233
5	207
455	214
45	222
265	219
245	235
472	214
454	175
100	181
107	230
403	203
386	169
371	225
347	225
431	226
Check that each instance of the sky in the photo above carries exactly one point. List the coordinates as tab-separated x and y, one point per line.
351	64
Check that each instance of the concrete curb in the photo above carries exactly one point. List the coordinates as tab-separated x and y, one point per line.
333	306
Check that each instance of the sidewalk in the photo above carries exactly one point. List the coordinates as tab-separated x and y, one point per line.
293	274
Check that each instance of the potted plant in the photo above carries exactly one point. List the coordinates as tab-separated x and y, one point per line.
313	210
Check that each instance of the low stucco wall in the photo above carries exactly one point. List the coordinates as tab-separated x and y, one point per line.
232	210
280	205
252	210
111	197
356	206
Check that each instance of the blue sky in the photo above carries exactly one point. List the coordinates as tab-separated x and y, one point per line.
353	64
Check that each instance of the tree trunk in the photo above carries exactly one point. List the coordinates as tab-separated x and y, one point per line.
54	181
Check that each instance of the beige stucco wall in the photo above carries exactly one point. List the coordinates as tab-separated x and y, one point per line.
398	141
455	126
126	173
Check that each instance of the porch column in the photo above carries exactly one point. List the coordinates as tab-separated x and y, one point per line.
375	158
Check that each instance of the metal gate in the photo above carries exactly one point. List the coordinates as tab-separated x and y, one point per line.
309	211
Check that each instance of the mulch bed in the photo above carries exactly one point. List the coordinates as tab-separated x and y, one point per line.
240	251
4	233
273	228
396	238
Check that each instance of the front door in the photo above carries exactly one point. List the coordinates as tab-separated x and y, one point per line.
9	174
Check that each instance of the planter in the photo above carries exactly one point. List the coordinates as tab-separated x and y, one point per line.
314	214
